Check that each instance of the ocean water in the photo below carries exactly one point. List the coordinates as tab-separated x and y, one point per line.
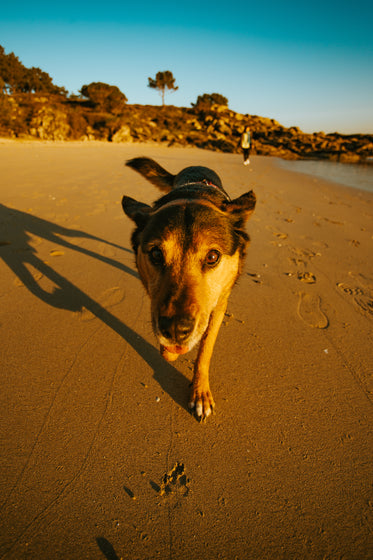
356	175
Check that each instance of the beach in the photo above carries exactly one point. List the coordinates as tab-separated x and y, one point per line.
100	456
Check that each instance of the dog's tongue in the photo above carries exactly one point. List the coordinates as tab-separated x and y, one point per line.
176	349
171	353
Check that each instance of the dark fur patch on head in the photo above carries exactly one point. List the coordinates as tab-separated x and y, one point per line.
193	224
198	191
225	227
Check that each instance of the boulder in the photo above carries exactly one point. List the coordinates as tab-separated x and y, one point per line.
122	135
50	124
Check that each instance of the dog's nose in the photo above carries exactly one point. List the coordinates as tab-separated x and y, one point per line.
176	328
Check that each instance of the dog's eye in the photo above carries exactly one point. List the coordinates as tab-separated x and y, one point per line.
212	258
156	256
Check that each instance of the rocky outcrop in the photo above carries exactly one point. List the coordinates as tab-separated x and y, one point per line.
220	129
217	128
50	123
122	135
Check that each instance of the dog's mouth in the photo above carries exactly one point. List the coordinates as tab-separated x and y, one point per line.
176	335
171	353
171	349
177	349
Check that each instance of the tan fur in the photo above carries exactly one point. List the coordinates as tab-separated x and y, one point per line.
188	290
201	290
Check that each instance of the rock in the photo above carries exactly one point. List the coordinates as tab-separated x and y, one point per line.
50	124
349	158
122	135
222	126
220	108
90	134
215	128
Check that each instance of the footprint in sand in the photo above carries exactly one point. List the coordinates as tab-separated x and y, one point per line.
174	482
361	295
309	311
304	253
363	280
36	275
106	250
300	257
335	222
56	253
307	277
255	277
280	235
108	298
35	241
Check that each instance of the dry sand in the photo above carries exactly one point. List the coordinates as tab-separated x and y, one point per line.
100	458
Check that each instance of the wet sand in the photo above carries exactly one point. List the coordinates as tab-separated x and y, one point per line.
100	457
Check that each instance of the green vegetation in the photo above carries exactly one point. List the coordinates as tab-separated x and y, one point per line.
16	78
105	97
207	100
31	106
163	80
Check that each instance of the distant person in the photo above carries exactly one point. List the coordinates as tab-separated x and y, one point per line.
245	144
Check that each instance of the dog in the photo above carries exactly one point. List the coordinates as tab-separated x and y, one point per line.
190	247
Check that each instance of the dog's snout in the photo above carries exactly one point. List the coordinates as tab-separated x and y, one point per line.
165	326
184	327
176	329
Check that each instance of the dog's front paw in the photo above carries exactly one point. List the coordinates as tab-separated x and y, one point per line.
201	402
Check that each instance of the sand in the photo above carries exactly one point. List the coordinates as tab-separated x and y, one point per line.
100	457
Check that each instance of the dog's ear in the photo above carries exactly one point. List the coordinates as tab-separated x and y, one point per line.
136	211
242	207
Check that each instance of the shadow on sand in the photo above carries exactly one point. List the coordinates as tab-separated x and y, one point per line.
16	231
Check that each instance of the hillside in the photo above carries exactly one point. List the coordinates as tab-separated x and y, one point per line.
56	117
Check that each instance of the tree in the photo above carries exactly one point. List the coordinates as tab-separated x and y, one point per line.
34	80
162	81
15	77
206	100
105	97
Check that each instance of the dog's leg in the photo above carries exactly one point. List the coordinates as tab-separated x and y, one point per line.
201	398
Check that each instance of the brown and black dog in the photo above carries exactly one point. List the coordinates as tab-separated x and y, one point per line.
189	248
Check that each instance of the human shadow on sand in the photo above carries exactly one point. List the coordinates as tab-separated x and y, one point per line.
17	251
107	549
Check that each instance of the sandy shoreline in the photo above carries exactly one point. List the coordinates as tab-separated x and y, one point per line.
92	418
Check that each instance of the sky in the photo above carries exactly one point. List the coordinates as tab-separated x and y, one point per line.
302	63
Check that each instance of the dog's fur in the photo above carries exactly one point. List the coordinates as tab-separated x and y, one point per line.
189	248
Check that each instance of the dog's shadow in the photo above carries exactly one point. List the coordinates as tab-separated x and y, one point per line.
18	253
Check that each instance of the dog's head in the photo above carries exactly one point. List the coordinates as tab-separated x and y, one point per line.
189	253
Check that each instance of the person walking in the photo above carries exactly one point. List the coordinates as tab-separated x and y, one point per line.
245	144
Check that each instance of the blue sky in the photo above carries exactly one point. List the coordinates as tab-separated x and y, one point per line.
307	64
